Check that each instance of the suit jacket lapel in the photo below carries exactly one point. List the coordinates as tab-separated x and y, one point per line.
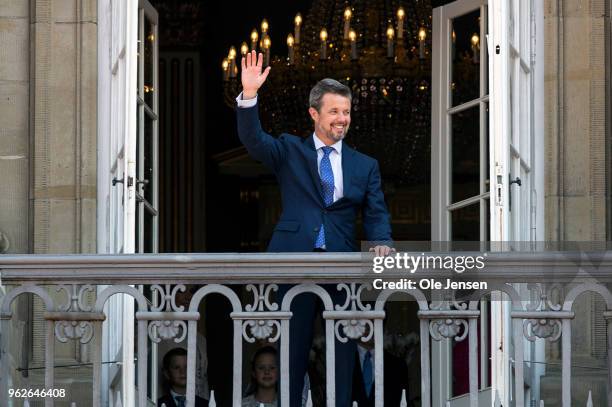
311	158
348	156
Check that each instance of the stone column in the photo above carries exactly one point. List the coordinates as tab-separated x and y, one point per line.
63	125
14	127
575	196
63	142
575	121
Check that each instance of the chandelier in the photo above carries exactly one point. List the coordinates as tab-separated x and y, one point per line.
380	50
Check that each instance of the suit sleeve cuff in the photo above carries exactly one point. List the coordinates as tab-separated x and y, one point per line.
246	103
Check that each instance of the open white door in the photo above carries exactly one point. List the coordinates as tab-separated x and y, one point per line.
512	155
123	82
486	192
459	144
117	118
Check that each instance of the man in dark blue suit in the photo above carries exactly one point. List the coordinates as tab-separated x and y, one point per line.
324	185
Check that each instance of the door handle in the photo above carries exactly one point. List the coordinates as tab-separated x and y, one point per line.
516	181
130	181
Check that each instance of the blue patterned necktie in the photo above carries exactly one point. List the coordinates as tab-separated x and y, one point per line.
327	183
367	373
180	401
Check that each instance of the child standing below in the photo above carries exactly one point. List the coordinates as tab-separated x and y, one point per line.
264	379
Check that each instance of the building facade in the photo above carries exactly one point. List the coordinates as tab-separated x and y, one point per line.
73	105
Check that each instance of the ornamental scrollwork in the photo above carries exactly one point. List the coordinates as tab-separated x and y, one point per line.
449	301
353	297
549	329
81	330
165	297
261	298
545	298
354	328
75	302
448	328
75	295
166	329
261	329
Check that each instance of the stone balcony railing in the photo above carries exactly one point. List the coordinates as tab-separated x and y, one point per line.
445	317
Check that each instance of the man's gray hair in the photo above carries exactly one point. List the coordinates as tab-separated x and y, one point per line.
324	86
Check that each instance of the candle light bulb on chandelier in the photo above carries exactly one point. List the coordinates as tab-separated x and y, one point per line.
347	21
422	34
390	35
225	66
244	48
298	22
323	34
475	48
290	42
353	38
264	26
266	43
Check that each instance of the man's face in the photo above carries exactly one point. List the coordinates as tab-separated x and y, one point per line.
333	119
177	371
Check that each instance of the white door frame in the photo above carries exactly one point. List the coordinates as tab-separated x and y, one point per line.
441	199
117	70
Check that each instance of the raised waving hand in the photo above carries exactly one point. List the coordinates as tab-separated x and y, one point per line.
251	75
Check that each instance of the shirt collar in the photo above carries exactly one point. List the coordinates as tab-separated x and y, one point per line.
319	144
362	351
175	394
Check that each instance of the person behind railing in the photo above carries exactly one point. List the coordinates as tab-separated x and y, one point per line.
183	298
324	184
395	377
175	374
264	380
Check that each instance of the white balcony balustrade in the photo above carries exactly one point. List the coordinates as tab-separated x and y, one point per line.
69	317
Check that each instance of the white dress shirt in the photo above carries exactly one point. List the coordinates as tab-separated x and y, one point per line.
335	157
362	352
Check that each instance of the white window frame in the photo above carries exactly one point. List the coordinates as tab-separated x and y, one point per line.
117	79
441	192
521	157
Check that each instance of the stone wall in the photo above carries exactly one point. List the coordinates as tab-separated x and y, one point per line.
64	124
48	157
575	120
14	125
576	140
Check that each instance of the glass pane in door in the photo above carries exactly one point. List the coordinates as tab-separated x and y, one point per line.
465	223
465	57
465	154
149	46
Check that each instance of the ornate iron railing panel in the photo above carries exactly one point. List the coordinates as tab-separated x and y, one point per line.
445	317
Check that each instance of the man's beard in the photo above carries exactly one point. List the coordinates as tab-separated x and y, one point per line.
330	134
